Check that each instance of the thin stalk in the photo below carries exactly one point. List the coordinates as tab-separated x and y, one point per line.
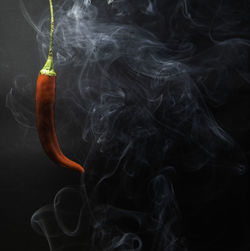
48	68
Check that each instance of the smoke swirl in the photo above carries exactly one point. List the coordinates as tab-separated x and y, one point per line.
140	81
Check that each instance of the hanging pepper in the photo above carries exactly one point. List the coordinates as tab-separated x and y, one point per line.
45	109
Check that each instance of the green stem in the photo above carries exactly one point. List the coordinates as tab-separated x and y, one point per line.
48	68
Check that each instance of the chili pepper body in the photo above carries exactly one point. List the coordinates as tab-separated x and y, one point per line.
45	118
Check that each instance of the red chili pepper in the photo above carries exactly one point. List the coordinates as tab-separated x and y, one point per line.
45	110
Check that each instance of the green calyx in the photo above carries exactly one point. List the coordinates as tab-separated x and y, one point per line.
48	68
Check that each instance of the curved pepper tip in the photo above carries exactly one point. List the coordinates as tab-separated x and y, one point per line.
62	160
81	169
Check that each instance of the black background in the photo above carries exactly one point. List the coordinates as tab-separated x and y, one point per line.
28	180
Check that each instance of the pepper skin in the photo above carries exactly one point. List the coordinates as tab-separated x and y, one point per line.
45	116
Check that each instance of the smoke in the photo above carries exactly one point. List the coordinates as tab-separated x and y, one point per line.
140	81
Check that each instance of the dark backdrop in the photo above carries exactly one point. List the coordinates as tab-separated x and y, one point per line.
28	180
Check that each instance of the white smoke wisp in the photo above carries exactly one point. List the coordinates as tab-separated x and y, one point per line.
133	78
